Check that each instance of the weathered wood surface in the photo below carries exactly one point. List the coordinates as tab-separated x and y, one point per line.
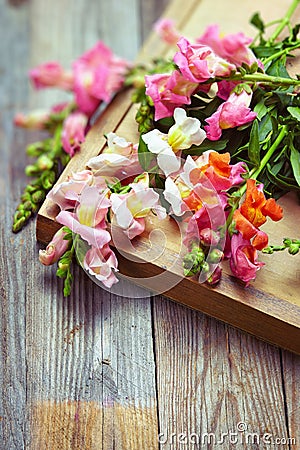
97	371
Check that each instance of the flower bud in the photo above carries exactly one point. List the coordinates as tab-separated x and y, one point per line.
38	196
215	277
209	237
44	163
55	249
205	267
215	256
293	249
17	226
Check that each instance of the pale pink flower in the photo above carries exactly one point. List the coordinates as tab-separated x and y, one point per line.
55	249
198	63
73	134
51	74
243	261
233	47
66	195
230	114
119	159
182	135
89	218
131	209
98	74
167	31
102	263
169	91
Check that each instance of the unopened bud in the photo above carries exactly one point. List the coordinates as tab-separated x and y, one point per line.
215	256
215	277
44	163
293	249
205	267
17	226
31	170
38	196
209	237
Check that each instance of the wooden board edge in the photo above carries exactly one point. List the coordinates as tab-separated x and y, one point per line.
210	301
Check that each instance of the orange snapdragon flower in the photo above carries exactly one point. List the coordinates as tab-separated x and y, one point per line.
253	213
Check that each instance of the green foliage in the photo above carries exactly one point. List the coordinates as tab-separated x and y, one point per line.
65	263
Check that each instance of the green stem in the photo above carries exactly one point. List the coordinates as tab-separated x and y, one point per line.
253	174
285	21
280	53
283	132
264	78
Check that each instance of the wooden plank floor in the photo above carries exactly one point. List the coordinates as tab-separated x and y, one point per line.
98	371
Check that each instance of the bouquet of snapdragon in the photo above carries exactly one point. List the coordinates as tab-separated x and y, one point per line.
219	144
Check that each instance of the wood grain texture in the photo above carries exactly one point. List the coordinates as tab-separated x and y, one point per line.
75	373
219	378
85	372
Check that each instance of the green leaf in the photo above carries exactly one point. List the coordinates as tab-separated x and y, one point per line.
264	127
206	145
295	162
145	157
260	109
257	22
254	147
278	68
294	112
280	181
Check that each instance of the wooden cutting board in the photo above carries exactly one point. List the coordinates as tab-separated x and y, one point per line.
270	307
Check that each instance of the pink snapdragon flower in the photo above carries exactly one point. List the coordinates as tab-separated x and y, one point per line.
169	91
230	114
73	134
102	263
89	218
51	74
167	31
198	63
131	209
243	261
182	135
98	74
232	47
66	195
118	159
55	249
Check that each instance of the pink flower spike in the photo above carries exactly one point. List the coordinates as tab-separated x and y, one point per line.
51	74
167	31
55	249
73	134
102	263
